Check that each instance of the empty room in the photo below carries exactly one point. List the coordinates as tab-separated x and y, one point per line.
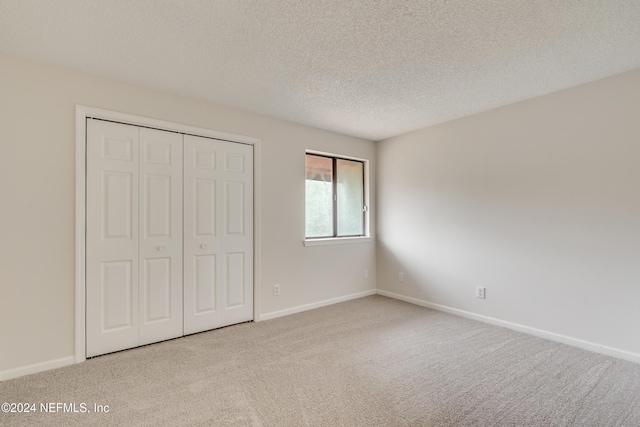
319	213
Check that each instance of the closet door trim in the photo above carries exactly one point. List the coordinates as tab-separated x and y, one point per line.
82	114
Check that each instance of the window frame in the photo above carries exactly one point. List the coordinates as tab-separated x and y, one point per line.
335	239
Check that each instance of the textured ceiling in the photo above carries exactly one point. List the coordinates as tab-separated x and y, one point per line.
372	69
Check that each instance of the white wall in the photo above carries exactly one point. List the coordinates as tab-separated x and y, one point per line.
37	125
537	201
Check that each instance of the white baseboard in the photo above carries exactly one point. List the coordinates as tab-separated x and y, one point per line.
587	345
66	361
318	304
37	367
552	336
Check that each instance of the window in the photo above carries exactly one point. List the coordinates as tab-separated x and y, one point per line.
335	197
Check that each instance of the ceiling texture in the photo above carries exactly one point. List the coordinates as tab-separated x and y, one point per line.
371	69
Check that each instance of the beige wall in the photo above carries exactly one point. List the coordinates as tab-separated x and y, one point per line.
539	202
37	166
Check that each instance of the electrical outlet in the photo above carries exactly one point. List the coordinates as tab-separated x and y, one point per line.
366	274
401	277
480	292
276	290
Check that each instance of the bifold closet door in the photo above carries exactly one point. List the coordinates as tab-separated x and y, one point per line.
160	234
133	236
218	233
112	237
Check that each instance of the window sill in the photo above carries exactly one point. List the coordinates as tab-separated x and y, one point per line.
336	241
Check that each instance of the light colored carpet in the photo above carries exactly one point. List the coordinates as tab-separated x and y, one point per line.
368	362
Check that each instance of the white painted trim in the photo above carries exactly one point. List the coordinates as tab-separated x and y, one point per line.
99	113
82	113
552	336
36	367
256	231
318	304
81	164
341	156
336	241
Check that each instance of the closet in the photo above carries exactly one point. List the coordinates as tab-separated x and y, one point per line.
169	235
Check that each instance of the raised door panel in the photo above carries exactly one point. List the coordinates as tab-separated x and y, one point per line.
160	234
234	274
157	206
235	209
116	286
117	198
157	283
204	208
204	281
112	237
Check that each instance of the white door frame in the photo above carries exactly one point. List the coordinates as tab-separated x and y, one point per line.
84	112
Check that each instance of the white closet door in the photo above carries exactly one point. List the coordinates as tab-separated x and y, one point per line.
134	236
160	234
112	237
218	233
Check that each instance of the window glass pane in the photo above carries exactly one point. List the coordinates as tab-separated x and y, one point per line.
350	197
319	199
